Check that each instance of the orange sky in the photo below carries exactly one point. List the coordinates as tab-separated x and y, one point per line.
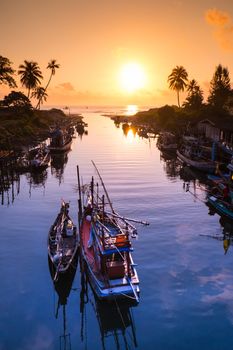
93	39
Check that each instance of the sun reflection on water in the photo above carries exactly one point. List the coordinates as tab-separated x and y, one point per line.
130	136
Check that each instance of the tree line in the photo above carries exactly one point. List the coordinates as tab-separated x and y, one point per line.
30	77
220	95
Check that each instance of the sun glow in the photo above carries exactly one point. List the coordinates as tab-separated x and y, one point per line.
131	110
132	77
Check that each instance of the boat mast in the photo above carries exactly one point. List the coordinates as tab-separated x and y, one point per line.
105	190
80	197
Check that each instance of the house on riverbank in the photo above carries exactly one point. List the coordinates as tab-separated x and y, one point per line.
221	131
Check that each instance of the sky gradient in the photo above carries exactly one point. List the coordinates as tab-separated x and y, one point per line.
92	40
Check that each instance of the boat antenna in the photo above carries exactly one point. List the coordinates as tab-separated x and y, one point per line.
105	190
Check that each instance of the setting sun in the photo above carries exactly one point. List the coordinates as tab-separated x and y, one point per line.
132	77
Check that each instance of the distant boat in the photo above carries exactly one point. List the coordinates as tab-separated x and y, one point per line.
60	141
62	241
40	162
35	160
106	247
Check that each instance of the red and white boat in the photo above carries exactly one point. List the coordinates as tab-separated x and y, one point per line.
105	245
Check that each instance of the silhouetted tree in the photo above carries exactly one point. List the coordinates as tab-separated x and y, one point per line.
6	72
17	101
166	115
30	75
40	94
52	65
220	87
195	96
177	80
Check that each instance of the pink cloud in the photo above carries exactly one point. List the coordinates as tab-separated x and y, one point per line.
216	17
66	86
223	27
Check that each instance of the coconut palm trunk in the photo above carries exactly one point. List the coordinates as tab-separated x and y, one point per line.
178	98
52	65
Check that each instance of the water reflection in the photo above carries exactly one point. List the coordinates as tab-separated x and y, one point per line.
37	179
58	163
225	236
115	319
171	165
9	180
63	286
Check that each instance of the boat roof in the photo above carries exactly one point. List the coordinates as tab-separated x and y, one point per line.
116	250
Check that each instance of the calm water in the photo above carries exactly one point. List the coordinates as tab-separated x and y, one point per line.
186	280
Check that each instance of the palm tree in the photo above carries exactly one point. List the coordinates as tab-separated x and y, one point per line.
40	94
52	65
177	80
6	72
30	75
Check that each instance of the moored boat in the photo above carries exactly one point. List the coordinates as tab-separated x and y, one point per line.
106	247
167	142
62	241
36	159
194	154
60	141
222	207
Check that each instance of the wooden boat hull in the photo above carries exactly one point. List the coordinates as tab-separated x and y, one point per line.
54	258
222	208
63	148
110	289
205	166
167	142
62	245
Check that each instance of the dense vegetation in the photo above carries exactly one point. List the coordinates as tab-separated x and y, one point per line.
20	122
30	77
30	127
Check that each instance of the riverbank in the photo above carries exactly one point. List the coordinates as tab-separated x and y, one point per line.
31	127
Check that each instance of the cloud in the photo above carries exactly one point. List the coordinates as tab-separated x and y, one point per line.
216	17
65	87
223	27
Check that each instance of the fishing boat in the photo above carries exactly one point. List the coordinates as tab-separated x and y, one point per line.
167	142
60	141
193	154
62	241
105	244
221	207
36	159
40	161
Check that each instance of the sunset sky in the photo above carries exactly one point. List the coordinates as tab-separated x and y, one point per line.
93	40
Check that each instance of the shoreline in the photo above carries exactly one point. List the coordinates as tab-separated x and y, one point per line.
29	128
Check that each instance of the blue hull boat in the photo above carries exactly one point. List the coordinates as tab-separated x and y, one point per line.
221	207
